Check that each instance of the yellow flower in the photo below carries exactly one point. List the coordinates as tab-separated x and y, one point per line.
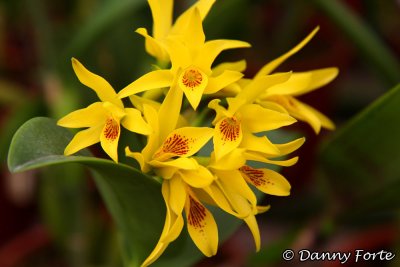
299	83
173	162
161	11
235	126
103	119
191	59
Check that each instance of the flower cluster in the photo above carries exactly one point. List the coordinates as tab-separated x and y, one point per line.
172	117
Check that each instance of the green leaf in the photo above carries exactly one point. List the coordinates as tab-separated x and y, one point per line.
362	160
133	198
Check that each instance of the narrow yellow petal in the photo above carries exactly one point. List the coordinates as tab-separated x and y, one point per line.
184	142
198	178
168	114
220	110
227	136
289	147
84	139
271	66
167	169
177	195
201	226
162	12
172	227
272	106
109	138
218	196
154	46
239	66
267	181
193	81
259	157
102	88
221	81
257	86
324	120
93	115
253	226
296	84
203	6
192	33
231	161
258	119
318	79
151	80
260	144
234	181
134	122
212	49
139	158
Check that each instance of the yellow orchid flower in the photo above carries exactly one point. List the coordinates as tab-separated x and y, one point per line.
191	58
161	11
298	84
103	119
236	125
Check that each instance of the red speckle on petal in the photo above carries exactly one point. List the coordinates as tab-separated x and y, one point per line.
176	144
111	129
255	176
197	213
230	129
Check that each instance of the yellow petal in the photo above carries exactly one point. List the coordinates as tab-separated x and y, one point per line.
258	119
259	157
257	86
203	7
239	66
166	169
253	226
303	82
262	209
320	78
184	142
220	110
134	122
212	49
177	195
234	182
193	81
266	180
218	196
139	158
154	46
325	121
259	144
289	147
268	68
168	114
272	106
91	116
109	138
227	136
198	178
84	139
102	88
172	227
192	33
151	80
217	83
162	17
179	54
201	226
231	161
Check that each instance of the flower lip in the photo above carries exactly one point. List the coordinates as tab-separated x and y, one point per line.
192	78
111	129
230	128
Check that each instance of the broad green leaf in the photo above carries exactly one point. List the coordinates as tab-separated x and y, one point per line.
133	199
362	160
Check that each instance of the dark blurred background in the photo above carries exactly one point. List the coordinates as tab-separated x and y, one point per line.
57	218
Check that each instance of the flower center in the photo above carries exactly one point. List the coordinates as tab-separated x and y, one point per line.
111	129
192	78
230	128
